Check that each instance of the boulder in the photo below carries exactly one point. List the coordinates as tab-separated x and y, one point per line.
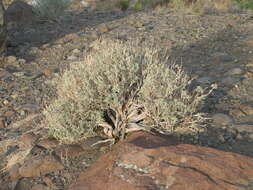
19	12
144	161
3	32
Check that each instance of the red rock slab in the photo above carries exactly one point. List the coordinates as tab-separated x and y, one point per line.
148	162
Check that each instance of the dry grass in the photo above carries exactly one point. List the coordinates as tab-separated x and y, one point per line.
121	88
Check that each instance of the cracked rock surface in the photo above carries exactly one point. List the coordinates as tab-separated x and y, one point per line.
145	161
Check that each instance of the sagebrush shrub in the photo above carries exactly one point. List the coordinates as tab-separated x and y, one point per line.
122	87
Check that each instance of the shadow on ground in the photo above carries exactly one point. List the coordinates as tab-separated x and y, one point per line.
24	37
212	60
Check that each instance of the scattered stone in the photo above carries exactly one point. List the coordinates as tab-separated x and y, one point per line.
2	122
249	65
103	28
236	112
27	139
70	37
76	51
11	59
204	80
239	137
40	187
29	118
145	161
14	172
69	151
248	74
48	182
34	49
85	4
22	61
19	74
244	128
251	137
247	42
93	35
12	68
29	107
229	81
234	71
23	184
22	112
221	138
47	72
48	143
5	102
87	145
44	46
67	175
137	23
221	119
222	107
72	57
223	57
35	167
58	46
6	144
247	109
9	114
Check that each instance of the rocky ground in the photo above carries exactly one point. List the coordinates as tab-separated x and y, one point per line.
214	48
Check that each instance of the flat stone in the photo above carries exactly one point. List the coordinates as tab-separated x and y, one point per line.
23	184
27	139
234	71
69	151
19	74
247	109
48	182
14	172
40	187
85	4
221	119
22	61
48	143
223	57
222	107
11	59
35	167
9	113
47	72
2	122
244	128
103	28
144	161
76	51
72	57
204	80
228	81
